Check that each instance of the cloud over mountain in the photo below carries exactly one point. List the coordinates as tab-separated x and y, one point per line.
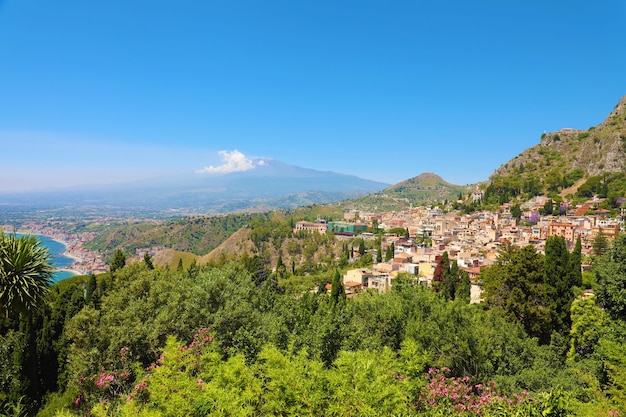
234	161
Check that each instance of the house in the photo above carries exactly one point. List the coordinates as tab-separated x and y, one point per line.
359	275
563	229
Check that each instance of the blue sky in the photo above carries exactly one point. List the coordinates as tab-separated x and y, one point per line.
94	92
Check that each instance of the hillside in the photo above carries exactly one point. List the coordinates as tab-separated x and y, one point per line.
563	158
196	236
425	188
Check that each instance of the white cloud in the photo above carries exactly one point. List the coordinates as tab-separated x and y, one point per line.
233	161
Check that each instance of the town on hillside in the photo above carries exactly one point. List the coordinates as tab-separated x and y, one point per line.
470	240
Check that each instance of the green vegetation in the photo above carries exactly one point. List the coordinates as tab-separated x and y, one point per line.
236	338
560	160
426	188
201	234
25	273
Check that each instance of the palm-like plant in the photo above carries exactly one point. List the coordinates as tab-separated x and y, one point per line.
25	272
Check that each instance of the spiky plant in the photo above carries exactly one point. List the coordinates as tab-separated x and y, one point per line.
25	272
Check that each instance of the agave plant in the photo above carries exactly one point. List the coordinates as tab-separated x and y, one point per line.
25	272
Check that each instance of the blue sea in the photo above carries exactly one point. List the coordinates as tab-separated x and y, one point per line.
59	261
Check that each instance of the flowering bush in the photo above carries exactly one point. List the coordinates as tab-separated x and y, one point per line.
444	396
107	385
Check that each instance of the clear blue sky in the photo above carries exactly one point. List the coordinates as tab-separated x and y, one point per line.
108	91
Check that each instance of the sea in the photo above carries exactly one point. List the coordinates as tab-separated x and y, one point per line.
57	249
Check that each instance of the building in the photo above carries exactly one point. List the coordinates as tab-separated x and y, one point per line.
565	230
310	227
346	229
359	275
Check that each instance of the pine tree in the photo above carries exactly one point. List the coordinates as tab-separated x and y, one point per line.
118	261
179	268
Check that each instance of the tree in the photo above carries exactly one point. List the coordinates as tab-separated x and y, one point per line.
118	261
148	260
442	277
610	273
516	212
548	208
92	286
600	244
514	286
557	275
361	247
463	287
337	292
25	273
575	261
388	253
193	269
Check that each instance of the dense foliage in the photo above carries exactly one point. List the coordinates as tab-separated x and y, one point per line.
239	339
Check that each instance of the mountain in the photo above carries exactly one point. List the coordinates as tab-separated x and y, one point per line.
269	185
423	189
563	160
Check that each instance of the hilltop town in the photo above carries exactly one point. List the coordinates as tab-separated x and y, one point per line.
471	240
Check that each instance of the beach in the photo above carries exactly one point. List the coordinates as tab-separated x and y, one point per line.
72	258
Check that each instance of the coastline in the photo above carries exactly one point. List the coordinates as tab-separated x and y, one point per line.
75	258
72	271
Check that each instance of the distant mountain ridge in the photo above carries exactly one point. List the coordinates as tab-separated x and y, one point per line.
270	185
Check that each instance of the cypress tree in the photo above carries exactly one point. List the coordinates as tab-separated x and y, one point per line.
337	292
557	275
575	260
389	252
91	287
148	260
463	287
445	284
454	278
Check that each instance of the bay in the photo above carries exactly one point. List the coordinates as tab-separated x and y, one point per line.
58	259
